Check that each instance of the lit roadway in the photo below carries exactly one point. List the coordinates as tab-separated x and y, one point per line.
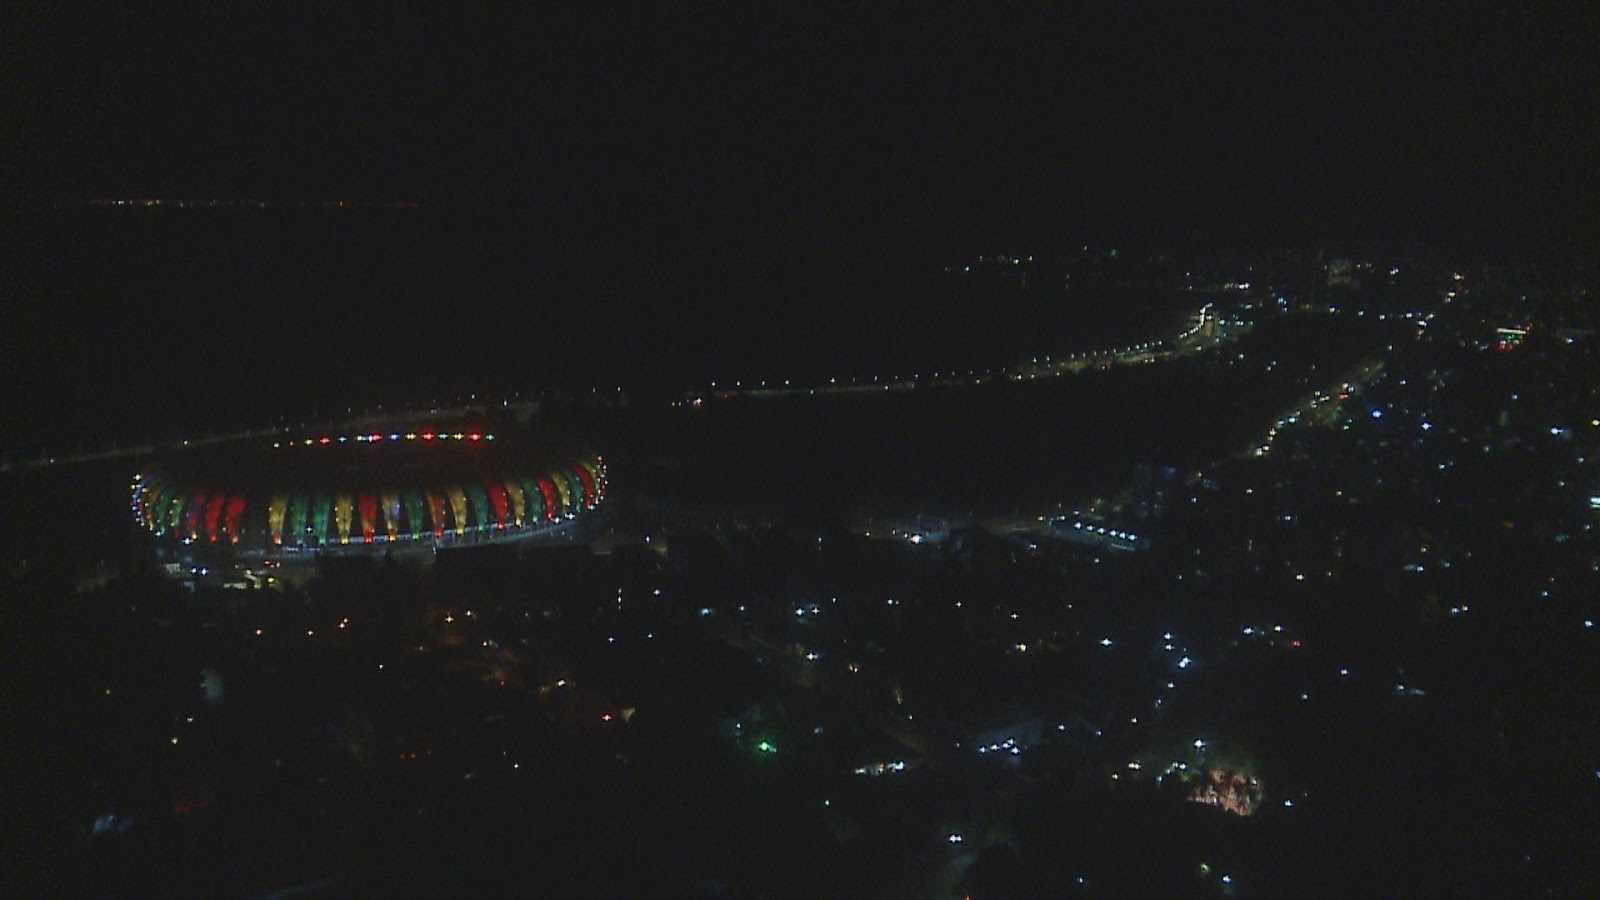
1188	342
1192	340
145	451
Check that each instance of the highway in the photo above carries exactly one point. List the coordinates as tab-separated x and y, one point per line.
1190	341
353	426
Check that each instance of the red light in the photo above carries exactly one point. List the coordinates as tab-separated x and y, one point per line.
475	436
427	435
1294	643
376	437
326	440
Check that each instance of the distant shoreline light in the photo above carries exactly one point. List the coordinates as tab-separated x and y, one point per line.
236	203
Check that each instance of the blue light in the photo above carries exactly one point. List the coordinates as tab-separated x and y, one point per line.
1377	413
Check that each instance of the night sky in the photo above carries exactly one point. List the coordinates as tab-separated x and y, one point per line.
722	191
1446	126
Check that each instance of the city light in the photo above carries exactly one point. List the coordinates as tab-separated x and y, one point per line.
921	643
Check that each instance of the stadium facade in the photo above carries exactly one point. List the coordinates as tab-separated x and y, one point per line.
372	492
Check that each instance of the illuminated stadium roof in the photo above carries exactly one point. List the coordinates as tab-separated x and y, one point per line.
367	491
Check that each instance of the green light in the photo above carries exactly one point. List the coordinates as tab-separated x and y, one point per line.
767	747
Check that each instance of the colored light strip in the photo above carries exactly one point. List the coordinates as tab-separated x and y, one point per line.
376	438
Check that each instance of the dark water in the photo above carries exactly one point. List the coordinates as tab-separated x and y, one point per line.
130	324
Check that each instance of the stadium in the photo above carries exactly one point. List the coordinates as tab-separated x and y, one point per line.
373	491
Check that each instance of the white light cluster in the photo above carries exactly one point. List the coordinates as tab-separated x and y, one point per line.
1007	745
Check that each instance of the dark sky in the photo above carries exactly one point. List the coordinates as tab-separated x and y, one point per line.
986	122
712	192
